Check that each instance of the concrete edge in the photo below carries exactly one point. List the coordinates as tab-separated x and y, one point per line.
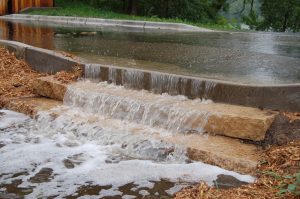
41	60
276	97
99	22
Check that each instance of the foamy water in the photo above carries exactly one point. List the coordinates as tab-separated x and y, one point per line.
73	146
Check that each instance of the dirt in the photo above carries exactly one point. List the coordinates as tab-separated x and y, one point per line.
283	130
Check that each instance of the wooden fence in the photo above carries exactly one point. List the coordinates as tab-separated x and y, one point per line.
14	6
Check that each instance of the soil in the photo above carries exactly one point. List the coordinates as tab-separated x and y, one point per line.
283	130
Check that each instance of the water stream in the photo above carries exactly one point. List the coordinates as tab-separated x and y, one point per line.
103	142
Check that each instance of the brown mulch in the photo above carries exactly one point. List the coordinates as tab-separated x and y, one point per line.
70	76
16	77
277	170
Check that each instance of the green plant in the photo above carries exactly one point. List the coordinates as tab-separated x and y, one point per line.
293	186
287	183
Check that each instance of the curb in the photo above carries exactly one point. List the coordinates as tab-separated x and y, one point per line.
98	22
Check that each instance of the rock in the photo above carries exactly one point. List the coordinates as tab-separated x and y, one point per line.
16	85
87	33
44	175
68	164
49	87
226	182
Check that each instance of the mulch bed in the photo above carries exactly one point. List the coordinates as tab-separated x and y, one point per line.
16	76
70	76
276	176
16	79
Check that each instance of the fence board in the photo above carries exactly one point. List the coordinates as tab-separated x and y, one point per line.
18	5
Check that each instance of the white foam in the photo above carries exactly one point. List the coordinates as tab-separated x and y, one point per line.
9	118
104	151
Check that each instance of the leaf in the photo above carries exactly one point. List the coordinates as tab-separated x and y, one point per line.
298	178
292	188
282	191
288	177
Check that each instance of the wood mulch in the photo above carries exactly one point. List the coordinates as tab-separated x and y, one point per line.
16	78
70	76
279	168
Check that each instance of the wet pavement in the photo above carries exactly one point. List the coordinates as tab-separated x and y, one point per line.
251	58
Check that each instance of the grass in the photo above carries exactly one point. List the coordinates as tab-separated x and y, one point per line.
83	10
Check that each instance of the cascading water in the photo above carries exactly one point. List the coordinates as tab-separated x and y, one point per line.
105	139
152	81
173	113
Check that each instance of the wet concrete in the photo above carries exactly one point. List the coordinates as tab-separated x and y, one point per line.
252	58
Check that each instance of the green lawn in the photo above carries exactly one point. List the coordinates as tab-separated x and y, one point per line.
84	10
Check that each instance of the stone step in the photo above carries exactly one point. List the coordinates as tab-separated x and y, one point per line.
225	152
229	120
221	151
31	105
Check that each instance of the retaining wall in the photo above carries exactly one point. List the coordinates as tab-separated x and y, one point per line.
41	60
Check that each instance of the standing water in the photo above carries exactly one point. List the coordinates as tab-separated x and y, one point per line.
103	142
250	58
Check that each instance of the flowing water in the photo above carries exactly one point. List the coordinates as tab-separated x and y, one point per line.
106	140
102	143
250	58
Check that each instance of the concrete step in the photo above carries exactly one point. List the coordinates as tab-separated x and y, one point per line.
223	119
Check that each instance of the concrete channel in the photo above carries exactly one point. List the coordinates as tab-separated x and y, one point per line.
285	97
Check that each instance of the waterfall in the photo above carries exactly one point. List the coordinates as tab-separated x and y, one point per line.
92	72
152	81
173	113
